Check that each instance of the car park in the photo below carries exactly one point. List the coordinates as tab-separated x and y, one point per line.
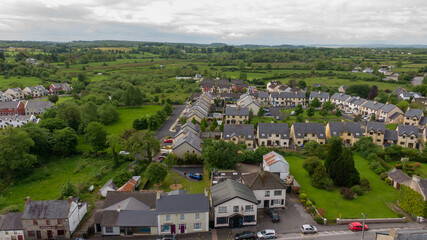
307	228
357	226
267	234
274	215
245	235
166	237
197	176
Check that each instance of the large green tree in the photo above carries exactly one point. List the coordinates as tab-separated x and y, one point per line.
52	124
365	146
96	136
108	113
343	172
88	113
42	138
220	154
156	172
66	141
334	152
70	113
142	143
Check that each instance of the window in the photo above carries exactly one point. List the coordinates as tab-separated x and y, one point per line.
47	222
278	193
221	220
250	218
166	228
197	216
197	226
222	209
31	233
249	208
235	208
60	232
168	217
35	222
109	229
182	217
276	202
267	194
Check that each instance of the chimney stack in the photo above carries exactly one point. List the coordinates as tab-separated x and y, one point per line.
70	199
306	121
28	200
118	208
158	195
416	178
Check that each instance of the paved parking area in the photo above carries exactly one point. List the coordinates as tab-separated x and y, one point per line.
185	171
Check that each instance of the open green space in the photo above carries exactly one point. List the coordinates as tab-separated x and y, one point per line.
17	81
373	203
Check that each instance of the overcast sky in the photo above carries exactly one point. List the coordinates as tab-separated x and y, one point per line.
228	21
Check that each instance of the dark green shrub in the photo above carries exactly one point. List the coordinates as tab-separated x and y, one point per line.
364	184
383	176
358	190
318	219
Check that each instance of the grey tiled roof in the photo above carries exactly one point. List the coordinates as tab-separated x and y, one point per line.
260	94
191	139
301	129
423	121
288	95
182	203
376	126
230	189
397	91
46	209
263	180
390	135
148	198
12	221
407	129
319	95
246	101
359	101
11	104
273	128
207	83
38	104
413	112
130	204
338	128
246	130
340	96
398	176
388	107
373	105
146	218
395	115
423	186
233	111
192	126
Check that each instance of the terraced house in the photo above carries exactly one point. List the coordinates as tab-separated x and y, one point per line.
407	136
301	133
339	99
321	96
371	108
14	93
349	132
290	99
376	131
273	134
390	113
3	97
246	101
239	134
236	115
415	117
36	91
262	97
353	104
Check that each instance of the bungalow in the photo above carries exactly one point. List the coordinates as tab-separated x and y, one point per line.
371	108
11	226
3	97
14	94
407	136
353	104
268	188
302	133
339	99
236	115
376	131
275	163
390	113
12	108
59	87
409	95
233	204
349	132
397	177
321	96
36	91
17	120
273	134
246	101
291	99
239	134
37	107
262	97
188	143
108	186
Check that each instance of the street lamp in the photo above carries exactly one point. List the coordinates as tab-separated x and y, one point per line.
363	227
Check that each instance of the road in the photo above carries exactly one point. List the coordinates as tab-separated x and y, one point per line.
164	129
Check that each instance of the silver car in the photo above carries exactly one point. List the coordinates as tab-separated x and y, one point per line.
306	228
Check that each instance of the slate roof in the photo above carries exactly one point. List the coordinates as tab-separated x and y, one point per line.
182	203
11	104
16	90
146	218
38	104
260	94
246	130
388	107
191	113
413	112
398	176
390	135
359	101
148	198
110	184
230	189
234	111
237	81
303	128
373	105
338	128
130	203
108	218
192	126
246	101
231	95
287	95
340	96
12	221
397	91
407	129
395	115
46	209
376	126
263	180
319	95
207	83
39	88
423	121
190	138
222	83
273	128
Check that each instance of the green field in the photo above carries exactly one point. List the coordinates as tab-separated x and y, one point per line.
128	114
17	81
373	203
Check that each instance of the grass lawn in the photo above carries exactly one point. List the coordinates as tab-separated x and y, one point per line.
422	171
391	126
128	114
191	187
372	204
17	81
61	99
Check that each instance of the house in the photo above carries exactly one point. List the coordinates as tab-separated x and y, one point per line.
236	115
376	131
397	91
12	108
273	86
415	117
238	85
273	134
179	212
390	113
393	77
301	133
230	96
130	185
263	98
416	183
291	99
37	107
397	178
14	94
275	163
36	91
3	97
342	89
191	127
194	114
390	137
31	61
207	85
246	101
17	120
108	186
321	96
59	88
339	99
11	226
268	188
349	132
371	108
239	134
398	234
368	70
409	95
52	219
407	136
353	104
233	204
188	143
223	86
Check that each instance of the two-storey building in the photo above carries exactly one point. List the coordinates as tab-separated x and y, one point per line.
302	133
58	88
14	94
262	97
3	97
36	91
236	115
349	132
339	99
353	104
239	134
273	134
390	113
12	108
407	136
371	108
415	117
246	101
37	107
321	96
11	226
376	131
287	99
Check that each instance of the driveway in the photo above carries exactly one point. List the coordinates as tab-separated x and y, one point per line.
185	172
163	131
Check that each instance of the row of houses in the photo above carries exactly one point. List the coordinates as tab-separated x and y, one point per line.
200	108
30	107
14	94
224	86
280	135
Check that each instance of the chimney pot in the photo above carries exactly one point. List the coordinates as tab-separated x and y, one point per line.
158	195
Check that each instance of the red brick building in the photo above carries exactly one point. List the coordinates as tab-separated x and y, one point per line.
12	108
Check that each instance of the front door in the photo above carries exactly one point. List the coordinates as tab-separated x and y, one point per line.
49	234
266	203
173	230
20	237
39	235
181	228
236	221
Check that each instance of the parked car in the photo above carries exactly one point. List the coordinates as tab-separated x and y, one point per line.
274	215
169	140
266	109
268	114
197	176
267	234
357	226
166	237
306	228
168	147
245	235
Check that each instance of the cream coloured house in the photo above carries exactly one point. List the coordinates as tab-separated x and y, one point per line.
240	134
407	136
302	133
376	131
236	115
273	134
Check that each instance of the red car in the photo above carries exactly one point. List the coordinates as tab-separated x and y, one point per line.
356	226
170	140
